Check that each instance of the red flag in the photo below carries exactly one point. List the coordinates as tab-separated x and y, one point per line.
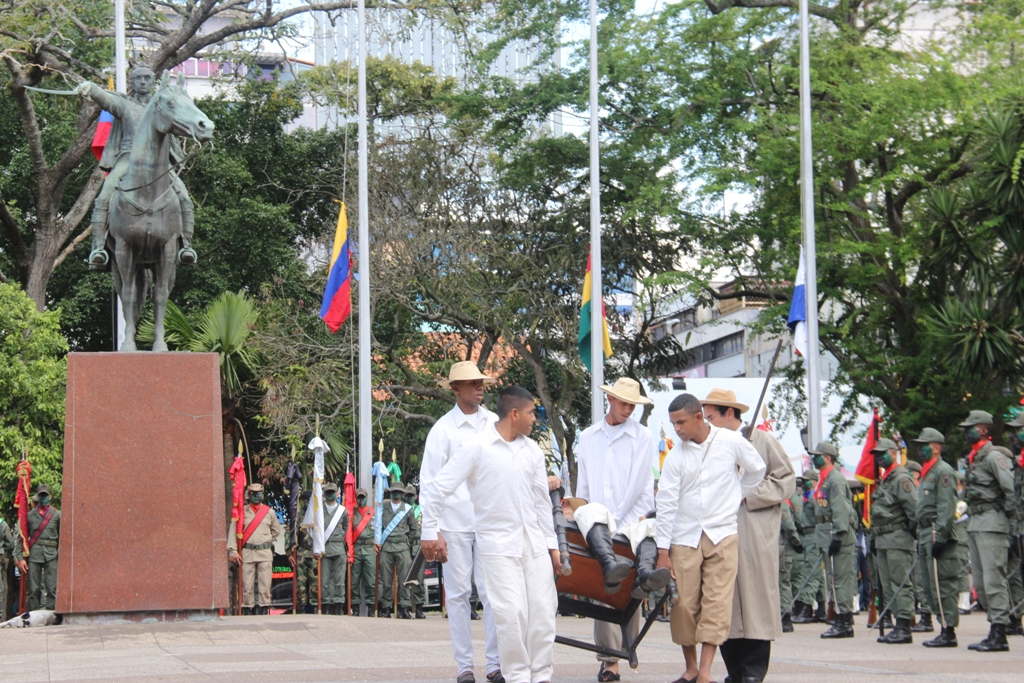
867	472
22	501
99	139
349	490
237	475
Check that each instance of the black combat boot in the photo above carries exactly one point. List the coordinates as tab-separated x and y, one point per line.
247	611
384	612
842	627
803	613
403	612
899	635
614	568
647	577
924	625
419	612
821	614
946	638
1014	628
995	642
787	623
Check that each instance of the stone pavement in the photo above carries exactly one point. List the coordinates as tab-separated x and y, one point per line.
300	649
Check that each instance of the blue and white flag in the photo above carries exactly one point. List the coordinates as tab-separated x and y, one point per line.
798	308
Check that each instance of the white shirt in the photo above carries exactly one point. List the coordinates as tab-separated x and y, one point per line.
508	484
701	488
614	469
444	439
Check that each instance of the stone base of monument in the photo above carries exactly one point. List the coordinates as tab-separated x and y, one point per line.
143	533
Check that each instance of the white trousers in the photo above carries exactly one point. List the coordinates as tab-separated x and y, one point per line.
522	591
463	565
588	515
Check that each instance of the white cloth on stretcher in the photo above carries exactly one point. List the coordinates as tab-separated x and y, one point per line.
588	515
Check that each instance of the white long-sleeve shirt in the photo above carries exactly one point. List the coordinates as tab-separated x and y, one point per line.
614	469
701	488
444	439
508	485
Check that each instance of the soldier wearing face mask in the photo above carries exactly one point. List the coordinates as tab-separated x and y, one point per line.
334	563
991	501
261	529
1015	568
364	564
40	561
835	536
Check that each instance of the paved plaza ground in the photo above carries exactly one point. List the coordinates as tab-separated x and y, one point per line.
287	649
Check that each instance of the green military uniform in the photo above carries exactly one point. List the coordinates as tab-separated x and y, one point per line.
894	526
334	563
790	552
364	564
1013	571
809	572
307	585
6	556
418	592
936	518
394	553
919	579
836	536
991	502
42	554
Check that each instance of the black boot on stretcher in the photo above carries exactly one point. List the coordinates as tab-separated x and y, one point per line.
647	577
614	568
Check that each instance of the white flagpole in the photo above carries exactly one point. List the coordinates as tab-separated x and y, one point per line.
121	85
596	298
365	416
814	426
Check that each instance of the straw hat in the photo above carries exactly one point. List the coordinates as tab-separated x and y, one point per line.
628	390
724	398
465	371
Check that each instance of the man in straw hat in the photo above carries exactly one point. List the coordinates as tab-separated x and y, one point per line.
705	478
457	526
260	530
505	473
616	480
756	610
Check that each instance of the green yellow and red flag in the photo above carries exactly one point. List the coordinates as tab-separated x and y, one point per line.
585	325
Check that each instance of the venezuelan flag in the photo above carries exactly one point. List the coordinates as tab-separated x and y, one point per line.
584	335
338	294
99	140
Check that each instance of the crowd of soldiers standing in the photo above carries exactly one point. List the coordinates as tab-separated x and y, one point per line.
933	532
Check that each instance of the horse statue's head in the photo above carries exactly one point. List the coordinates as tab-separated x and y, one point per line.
174	111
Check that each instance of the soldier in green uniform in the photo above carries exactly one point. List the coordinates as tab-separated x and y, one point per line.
364	564
1013	577
990	499
894	523
307	585
835	534
334	563
1015	567
419	593
790	552
397	522
40	562
6	556
918	580
939	536
809	574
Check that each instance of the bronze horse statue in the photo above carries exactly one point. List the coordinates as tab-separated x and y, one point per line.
145	214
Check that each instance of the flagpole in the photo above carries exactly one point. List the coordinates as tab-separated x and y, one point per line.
121	85
365	417
814	426
596	297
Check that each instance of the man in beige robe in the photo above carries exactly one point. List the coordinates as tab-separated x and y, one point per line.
756	617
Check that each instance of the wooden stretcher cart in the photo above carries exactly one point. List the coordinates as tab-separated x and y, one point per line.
587	581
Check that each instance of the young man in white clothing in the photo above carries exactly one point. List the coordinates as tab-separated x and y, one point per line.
457	539
505	474
705	477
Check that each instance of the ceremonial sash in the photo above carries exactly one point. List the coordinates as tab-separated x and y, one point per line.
395	521
39	530
365	517
251	526
333	524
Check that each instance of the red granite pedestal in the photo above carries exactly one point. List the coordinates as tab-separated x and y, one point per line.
143	533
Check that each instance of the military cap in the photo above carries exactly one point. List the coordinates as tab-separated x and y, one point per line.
330	486
914	466
825	448
361	492
977	417
43	488
811	475
396	487
929	435
1017	421
410	489
885	445
255	488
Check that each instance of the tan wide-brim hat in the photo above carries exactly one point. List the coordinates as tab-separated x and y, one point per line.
465	371
725	398
628	390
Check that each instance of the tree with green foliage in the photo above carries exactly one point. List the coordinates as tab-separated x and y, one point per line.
33	373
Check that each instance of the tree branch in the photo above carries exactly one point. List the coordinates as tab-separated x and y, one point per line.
27	112
13	233
71	247
813	7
